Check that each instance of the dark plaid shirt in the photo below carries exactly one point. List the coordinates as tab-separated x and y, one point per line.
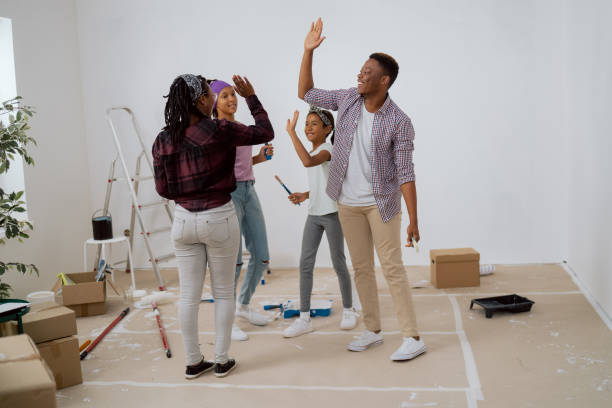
198	174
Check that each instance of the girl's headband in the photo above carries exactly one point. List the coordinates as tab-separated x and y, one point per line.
319	112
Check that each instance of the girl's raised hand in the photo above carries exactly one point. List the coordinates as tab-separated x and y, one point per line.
292	122
242	86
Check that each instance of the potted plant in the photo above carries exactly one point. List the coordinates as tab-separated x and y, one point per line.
13	142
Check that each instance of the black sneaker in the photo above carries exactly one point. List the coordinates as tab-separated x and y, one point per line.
221	370
196	370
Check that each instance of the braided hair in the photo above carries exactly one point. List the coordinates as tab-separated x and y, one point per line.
179	108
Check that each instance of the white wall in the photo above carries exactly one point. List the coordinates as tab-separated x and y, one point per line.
480	80
509	102
48	77
589	84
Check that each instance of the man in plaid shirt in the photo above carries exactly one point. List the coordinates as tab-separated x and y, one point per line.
370	170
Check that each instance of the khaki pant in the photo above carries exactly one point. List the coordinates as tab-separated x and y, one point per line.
364	230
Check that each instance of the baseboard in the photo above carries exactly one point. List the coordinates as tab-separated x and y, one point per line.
587	293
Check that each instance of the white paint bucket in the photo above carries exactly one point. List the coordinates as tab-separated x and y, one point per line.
41	297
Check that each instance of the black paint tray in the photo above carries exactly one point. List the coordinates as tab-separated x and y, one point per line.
508	303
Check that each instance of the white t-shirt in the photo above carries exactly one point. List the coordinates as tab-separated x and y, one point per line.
320	203
357	186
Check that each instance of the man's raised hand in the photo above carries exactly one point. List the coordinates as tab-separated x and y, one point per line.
313	38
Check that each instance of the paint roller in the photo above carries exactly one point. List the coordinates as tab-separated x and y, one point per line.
162	332
104	333
154	300
290	308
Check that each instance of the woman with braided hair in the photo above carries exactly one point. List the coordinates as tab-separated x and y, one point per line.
193	160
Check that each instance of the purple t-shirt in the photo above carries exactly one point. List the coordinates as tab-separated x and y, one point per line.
243	169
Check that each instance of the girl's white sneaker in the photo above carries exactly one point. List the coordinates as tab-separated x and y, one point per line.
298	327
349	319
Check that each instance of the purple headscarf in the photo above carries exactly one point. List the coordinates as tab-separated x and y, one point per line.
217	86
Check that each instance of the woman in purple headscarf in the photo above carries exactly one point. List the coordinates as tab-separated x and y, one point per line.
248	210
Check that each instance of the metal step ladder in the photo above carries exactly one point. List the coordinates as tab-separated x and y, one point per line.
133	182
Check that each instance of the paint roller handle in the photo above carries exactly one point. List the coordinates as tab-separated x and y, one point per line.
270	307
104	333
161	330
123	313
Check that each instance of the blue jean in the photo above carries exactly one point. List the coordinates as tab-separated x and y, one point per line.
253	228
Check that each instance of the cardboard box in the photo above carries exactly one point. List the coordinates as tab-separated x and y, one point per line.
62	357
454	268
25	379
88	309
44	322
87	297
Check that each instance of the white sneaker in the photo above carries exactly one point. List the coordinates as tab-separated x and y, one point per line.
298	327
238	334
349	319
366	340
252	316
409	349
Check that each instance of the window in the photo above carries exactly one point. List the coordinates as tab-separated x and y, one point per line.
14	179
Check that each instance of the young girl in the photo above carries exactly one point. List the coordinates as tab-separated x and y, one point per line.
322	216
248	210
193	163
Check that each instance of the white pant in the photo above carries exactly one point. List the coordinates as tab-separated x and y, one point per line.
200	238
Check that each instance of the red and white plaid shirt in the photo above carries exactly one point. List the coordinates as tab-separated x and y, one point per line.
391	148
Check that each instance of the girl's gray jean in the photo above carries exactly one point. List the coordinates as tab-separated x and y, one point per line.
313	232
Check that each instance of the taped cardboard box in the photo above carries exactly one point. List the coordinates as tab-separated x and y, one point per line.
87	297
25	379
88	309
45	322
454	268
62	357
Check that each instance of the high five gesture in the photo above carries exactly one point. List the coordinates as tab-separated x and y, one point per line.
313	38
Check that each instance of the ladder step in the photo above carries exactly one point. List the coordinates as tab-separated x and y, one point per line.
158	230
142	178
152	204
163	258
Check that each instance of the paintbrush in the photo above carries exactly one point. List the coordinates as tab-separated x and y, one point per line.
415	245
284	186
